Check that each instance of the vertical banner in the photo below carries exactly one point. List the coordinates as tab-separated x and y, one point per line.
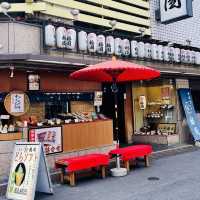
190	113
27	164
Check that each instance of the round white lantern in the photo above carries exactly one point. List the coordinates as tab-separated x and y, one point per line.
141	50
61	37
71	39
50	35
177	55
134	48
92	42
110	45
126	47
154	51
82	41
160	52
147	50
166	54
118	46
101	44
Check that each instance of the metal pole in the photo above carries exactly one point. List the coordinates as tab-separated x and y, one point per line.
115	90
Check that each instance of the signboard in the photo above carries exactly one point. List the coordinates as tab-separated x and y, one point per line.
51	138
28	172
175	10
98	98
190	113
33	82
17	103
142	102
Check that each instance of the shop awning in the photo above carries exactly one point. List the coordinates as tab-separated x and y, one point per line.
40	62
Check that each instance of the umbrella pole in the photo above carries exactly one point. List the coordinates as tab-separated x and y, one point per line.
115	90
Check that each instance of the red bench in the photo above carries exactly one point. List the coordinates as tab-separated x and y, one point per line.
132	152
70	165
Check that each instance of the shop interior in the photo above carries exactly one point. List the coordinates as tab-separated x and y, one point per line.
155	114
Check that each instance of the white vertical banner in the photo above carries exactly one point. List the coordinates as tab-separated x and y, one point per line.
17	103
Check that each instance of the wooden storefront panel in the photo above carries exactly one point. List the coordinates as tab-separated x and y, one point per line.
87	135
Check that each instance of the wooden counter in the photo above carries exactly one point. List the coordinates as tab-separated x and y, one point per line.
86	135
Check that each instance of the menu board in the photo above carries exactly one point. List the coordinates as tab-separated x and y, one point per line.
28	160
51	138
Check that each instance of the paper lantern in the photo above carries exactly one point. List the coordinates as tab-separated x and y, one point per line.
118	46
126	48
147	50
177	55
70	39
61	37
141	50
166	54
154	51
160	52
82	41
134	49
92	42
101	44
50	35
110	45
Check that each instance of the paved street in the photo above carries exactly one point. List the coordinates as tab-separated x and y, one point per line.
179	179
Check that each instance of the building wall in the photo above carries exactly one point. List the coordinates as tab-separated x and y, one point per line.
177	32
131	15
49	82
20	38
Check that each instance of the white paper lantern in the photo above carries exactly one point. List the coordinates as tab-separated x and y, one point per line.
82	41
154	51
147	50
126	49
71	39
110	45
193	57
166	54
177	55
101	44
172	54
92	42
134	49
188	56
197	58
160	52
50	35
141	50
183	55
118	46
61	37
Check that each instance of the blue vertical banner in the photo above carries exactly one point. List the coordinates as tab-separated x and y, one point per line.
190	113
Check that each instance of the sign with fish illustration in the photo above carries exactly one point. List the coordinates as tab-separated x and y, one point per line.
29	172
50	137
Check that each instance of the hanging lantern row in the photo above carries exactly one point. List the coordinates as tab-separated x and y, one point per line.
67	38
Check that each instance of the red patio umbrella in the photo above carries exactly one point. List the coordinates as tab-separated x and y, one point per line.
115	71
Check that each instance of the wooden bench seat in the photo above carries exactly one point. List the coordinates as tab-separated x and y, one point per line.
132	152
70	165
